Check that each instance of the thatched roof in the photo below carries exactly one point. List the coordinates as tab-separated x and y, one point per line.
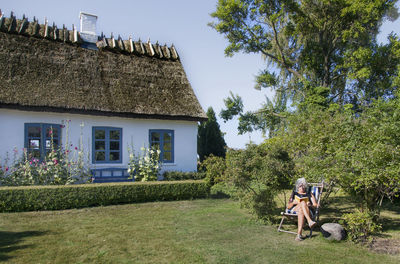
43	68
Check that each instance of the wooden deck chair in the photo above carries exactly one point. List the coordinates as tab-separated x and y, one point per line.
316	189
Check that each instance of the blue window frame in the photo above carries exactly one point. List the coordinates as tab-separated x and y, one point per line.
107	145
38	139
163	139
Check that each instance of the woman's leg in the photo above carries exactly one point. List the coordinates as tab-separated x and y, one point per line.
300	221
306	212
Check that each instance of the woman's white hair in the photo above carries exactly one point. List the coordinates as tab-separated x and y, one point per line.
301	182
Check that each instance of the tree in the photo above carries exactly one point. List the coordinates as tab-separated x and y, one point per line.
316	48
210	139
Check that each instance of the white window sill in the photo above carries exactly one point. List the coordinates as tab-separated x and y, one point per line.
169	164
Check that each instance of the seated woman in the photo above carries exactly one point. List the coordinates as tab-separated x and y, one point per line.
299	202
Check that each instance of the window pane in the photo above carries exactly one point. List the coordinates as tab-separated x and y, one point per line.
114	156
114	134
34	143
99	145
155	136
167	156
100	156
34	131
52	129
167	136
99	134
114	145
167	146
48	143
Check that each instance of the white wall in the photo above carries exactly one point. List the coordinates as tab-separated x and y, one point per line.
134	131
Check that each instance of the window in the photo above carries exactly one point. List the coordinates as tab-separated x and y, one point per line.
107	145
163	140
38	139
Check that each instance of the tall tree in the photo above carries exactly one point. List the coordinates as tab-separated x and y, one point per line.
315	48
210	139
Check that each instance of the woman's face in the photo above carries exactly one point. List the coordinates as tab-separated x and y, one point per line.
302	188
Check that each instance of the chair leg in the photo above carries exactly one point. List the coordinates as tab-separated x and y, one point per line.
280	225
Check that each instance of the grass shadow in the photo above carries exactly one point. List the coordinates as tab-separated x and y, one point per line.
9	242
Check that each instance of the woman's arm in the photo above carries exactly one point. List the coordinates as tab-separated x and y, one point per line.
313	200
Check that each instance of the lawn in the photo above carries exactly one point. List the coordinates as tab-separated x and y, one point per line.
199	231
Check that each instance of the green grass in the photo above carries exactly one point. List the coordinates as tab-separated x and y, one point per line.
199	231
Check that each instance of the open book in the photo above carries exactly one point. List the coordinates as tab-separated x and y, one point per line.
300	199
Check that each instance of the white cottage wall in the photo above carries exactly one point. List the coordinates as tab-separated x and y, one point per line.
134	132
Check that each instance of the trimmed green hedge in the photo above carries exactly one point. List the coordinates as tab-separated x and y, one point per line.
34	198
180	176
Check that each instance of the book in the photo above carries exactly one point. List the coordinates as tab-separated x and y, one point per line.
300	199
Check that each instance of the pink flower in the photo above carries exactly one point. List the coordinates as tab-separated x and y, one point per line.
55	161
76	148
6	168
30	162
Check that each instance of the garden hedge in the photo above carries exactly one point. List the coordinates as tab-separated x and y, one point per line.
34	198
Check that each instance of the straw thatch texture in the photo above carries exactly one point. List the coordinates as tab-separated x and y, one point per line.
51	72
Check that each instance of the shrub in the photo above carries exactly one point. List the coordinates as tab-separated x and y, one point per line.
180	175
360	225
32	198
259	173
215	169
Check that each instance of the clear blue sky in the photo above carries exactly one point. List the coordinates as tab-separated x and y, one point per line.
183	23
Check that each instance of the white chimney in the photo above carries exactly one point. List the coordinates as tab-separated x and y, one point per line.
88	27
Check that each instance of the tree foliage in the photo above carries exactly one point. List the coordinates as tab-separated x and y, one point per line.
210	139
313	46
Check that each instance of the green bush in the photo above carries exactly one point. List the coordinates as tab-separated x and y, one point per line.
33	198
360	225
259	173
215	169
180	175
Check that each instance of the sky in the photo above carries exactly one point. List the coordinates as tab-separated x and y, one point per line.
184	24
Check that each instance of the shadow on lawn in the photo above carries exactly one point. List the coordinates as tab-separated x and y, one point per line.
9	241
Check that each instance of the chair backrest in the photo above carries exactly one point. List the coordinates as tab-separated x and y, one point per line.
316	190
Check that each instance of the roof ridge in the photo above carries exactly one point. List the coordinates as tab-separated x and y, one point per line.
24	27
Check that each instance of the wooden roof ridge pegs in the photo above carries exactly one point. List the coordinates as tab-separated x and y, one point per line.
143	51
150	47
55	31
12	26
112	40
167	51
121	45
75	33
23	26
131	43
174	52
46	27
1	19
158	49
